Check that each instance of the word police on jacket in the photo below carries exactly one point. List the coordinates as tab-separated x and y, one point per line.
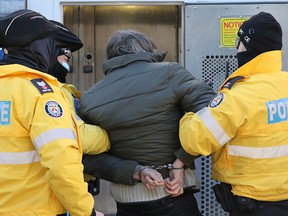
5	112
277	110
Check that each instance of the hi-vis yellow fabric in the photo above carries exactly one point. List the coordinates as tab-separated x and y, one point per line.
246	130
40	158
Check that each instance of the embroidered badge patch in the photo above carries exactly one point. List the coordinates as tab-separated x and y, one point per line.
53	109
42	86
232	81
216	100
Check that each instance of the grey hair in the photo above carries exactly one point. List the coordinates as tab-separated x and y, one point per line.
125	42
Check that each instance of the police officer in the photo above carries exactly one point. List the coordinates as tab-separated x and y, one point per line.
94	139
245	126
40	155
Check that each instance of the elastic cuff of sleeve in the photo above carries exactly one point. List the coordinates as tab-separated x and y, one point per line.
126	173
137	168
186	158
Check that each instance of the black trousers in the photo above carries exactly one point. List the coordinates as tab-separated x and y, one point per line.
260	208
183	205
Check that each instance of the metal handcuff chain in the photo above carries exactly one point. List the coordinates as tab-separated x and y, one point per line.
166	166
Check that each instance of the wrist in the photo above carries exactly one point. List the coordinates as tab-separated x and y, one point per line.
136	172
142	168
178	164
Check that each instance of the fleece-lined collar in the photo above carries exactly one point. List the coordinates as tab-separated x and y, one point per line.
124	60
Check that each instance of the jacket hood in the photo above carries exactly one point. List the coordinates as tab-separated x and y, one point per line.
37	55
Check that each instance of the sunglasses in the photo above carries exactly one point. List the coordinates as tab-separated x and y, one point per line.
66	51
237	42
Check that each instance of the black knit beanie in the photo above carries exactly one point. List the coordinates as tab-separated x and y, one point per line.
261	32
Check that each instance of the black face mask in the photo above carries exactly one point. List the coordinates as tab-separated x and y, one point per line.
59	72
56	69
246	56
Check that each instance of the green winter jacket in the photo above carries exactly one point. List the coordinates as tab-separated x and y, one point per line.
140	102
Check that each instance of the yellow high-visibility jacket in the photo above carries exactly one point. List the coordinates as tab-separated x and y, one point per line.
245	128
40	158
94	139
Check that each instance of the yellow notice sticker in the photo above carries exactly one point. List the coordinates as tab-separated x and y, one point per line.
228	30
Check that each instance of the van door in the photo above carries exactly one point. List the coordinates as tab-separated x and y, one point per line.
94	24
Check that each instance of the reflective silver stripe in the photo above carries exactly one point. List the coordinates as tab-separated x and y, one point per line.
52	135
14	19
254	152
19	157
213	126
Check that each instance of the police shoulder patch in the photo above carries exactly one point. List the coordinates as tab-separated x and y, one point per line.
216	100
53	109
42	86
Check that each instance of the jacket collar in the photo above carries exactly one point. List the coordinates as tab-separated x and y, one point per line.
264	63
121	61
21	70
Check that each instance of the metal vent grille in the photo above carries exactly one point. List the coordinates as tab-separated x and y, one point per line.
215	69
206	199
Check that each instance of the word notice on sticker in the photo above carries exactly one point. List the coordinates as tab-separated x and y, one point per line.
228	31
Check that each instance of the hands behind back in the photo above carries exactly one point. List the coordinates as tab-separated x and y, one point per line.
174	184
150	177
